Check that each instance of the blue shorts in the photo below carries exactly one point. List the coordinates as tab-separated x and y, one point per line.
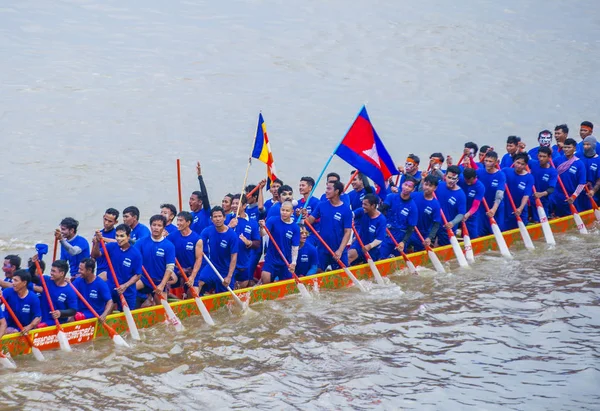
374	253
130	298
279	272
243	274
211	281
326	259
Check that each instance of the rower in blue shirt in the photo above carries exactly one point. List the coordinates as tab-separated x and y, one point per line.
94	290
62	295
591	160
429	216
74	248
401	214
494	182
308	259
131	218
371	229
572	173
24	303
544	140
520	185
109	220
544	180
169	211
453	203
200	205
474	192
512	148
249	241
286	234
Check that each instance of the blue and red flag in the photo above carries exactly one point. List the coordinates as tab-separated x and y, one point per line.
362	148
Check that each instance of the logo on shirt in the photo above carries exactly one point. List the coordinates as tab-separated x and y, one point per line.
289	234
248	229
337	216
62	298
522	186
573	170
546	177
593	167
223	244
304	258
405	211
127	262
472	193
452	200
94	294
189	246
26	308
195	220
428	210
372	229
160	252
494	183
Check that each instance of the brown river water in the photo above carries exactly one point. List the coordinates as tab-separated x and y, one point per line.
98	100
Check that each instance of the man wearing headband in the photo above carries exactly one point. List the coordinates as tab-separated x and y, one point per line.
561	133
513	143
411	168
591	160
544	140
586	130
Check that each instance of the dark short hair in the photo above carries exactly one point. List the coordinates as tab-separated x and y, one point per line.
123	227
338	186
62	265
570	142
70	223
251	187
158	217
484	149
23	275
186	215
309	180
236	197
230	196
132	210
217	209
587	124
521	156
453	169
243	200
472	146
14	260
170	207
411	179
89	263
277	181
283	188
492	154
33	268
432	179
414	158
336	175
563	127
371	199
112	211
469	173
513	140
545	150
437	155
198	194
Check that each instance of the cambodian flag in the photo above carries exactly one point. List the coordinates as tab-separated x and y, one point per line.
362	148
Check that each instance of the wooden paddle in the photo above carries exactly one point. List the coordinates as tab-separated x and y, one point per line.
171	316
522	229
179	185
234	295
370	261
339	261
497	233
467	242
205	314
117	339
432	255
36	351
576	217
460	257
411	267
301	287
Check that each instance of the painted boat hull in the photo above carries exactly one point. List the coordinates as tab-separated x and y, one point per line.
80	332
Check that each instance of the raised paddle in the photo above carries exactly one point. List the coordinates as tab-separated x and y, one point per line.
432	255
301	287
411	267
117	339
460	257
576	216
370	261
205	314
128	317
179	184
339	261
497	233
522	229
63	341
171	316
6	362
55	249
467	242
234	295
350	181
36	351
594	204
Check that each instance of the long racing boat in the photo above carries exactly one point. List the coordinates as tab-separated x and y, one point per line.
80	332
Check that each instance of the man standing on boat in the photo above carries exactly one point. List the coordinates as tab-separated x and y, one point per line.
62	295
371	227
286	234
336	226
109	220
410	169
453	203
591	160
429	215
24	303
199	204
401	214
474	192
169	211
249	242
513	146
561	133
544	140
188	249
571	171
131	217
158	258
286	193
95	291
127	263
494	182
544	179
274	194
74	248
520	185
585	130
308	258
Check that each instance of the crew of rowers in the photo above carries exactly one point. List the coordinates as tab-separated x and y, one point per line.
143	263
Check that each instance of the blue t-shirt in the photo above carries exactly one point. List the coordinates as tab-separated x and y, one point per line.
579	150
343	197
25	309
127	264
371	229
274	210
401	213
571	178
356	198
268	204
519	185
219	247
555	152
286	235
140	231
472	192
308	260
492	183
155	257
334	220
452	202
95	293
201	220
185	248
171	228
543	178
254	212
251	231
101	263
429	213
507	160
74	260
592	168
63	298
418	176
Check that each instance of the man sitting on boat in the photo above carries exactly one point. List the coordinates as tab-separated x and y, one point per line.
73	247
401	216
95	291
371	229
24	303
249	241
64	299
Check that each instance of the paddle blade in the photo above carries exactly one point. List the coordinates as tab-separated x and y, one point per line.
133	330
460	257
548	235
7	362
173	319
597	214
303	291
411	267
579	222
525	235
205	314
237	300
119	341
63	341
375	272
37	354
469	255
436	262
501	242
354	280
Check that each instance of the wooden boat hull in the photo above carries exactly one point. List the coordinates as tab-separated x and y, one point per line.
80	332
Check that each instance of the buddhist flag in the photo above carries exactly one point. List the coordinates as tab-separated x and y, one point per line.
362	148
262	150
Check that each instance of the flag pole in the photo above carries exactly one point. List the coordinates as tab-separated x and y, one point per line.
237	212
327	163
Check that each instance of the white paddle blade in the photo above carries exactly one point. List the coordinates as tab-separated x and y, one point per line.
205	314
462	261
303	291
579	222
173	319
237	300
354	280
411	267
375	272
525	235
63	341
436	262
133	330
7	363
548	235
37	354
501	242
597	214
468	249
119	341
